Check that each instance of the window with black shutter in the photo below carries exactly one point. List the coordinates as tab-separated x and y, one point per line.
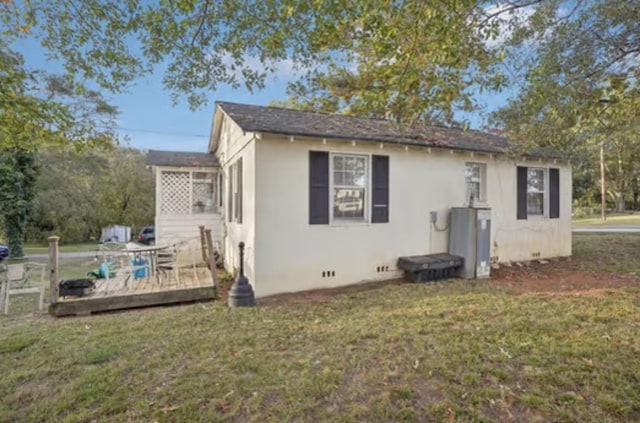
340	185
318	187
538	192
380	189
554	193
521	196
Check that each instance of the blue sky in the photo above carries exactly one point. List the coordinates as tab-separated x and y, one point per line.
149	120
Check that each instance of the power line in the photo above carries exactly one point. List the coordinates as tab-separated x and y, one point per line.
153	131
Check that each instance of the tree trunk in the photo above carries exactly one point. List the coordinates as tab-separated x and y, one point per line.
620	203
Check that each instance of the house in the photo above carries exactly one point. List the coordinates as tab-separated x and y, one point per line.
324	200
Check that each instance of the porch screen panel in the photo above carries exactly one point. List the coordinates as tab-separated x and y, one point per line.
175	193
203	192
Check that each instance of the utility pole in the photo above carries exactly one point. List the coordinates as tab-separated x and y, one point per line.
604	100
603	190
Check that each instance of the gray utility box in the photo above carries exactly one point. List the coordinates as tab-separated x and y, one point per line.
470	237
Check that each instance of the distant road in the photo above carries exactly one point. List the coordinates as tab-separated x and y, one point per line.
622	229
70	255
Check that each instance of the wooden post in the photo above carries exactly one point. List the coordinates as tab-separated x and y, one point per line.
212	258
203	244
53	268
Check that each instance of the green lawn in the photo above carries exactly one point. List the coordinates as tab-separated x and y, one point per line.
609	252
612	220
454	351
65	248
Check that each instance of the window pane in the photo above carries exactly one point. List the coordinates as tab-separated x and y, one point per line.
472	171
473	174
348	203
349	185
359	176
535	203
535	180
473	191
349	178
202	195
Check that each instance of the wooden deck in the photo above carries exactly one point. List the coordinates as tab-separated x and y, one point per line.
124	292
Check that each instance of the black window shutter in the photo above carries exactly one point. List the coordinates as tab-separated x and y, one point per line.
554	193
318	187
380	188
220	193
522	193
239	171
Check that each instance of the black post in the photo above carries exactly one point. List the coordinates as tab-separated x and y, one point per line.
241	292
241	246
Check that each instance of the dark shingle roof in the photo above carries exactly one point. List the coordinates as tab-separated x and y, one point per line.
180	158
323	125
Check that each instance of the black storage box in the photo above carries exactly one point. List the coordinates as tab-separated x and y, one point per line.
76	287
430	267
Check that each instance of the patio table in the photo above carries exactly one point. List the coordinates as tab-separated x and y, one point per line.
147	251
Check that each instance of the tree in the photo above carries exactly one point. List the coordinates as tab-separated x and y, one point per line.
35	109
567	56
17	183
411	60
77	194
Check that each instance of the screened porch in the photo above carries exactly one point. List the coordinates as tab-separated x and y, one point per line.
188	195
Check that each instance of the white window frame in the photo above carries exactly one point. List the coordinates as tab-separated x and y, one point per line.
544	192
367	189
483	184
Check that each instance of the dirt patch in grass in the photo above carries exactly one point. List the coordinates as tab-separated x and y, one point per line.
326	294
559	277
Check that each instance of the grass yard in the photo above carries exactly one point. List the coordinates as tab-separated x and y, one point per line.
64	248
612	220
450	351
69	269
616	253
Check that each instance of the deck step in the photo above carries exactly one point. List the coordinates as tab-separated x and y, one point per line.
430	267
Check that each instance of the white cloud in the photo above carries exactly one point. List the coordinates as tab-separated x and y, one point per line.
283	69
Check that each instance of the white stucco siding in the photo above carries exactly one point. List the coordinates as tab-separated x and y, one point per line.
291	254
176	228
537	236
233	145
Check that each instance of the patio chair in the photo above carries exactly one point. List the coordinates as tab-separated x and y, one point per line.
166	263
24	278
